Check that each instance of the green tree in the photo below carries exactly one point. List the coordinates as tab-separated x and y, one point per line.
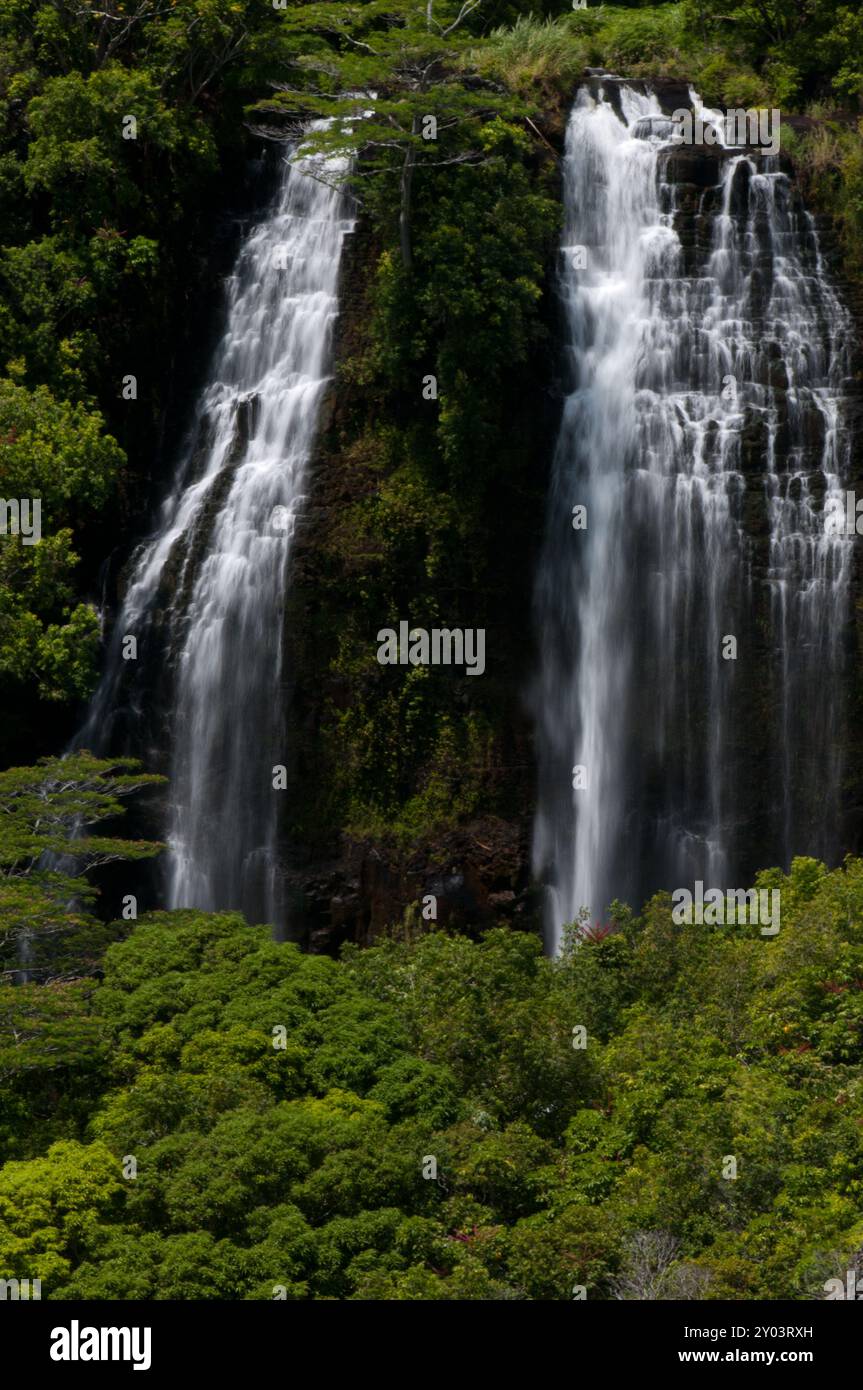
56	455
393	91
47	814
51	1206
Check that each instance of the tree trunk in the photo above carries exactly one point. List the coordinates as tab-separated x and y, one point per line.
405	210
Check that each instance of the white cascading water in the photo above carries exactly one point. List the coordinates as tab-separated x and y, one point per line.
224	539
687	364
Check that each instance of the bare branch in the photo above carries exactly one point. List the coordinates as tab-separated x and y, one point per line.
467	8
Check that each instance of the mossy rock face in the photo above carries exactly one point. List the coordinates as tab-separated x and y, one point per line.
380	519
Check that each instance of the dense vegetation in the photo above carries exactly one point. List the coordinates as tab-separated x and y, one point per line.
187	1108
221	1116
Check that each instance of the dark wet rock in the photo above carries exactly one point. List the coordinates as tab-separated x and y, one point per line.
477	875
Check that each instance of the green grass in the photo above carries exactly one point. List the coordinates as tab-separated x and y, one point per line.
556	51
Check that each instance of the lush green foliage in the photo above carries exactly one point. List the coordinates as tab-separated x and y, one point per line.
51	941
46	819
281	1109
814	49
103	238
58	452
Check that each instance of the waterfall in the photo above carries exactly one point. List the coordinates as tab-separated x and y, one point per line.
206	593
703	433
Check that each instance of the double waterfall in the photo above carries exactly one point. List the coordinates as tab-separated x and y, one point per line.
206	593
694	598
693	618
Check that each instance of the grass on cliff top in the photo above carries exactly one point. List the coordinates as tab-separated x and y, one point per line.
556	51
646	41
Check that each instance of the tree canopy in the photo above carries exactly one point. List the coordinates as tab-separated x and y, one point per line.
421	1121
